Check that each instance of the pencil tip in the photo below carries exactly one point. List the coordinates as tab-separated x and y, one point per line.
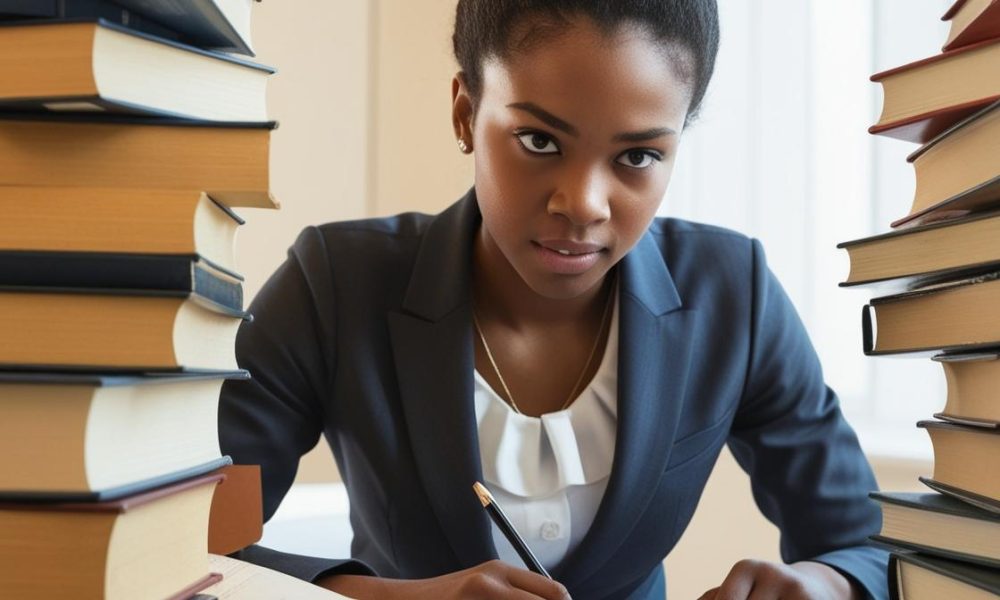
484	494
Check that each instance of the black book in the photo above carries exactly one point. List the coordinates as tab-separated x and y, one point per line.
223	26
97	272
939	525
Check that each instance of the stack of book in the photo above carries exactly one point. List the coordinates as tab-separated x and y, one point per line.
126	139
943	259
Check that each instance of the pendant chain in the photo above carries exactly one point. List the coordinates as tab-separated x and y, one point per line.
586	365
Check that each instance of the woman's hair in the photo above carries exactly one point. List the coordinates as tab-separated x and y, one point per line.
686	30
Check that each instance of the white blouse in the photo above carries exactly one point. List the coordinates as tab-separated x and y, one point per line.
549	473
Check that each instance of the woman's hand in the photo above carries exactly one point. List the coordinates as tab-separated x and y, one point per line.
774	581
493	579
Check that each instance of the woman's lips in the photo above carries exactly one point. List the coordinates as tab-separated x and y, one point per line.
566	257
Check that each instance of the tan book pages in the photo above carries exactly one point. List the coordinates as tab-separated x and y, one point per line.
244	581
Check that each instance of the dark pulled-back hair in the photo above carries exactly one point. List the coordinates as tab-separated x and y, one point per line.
687	31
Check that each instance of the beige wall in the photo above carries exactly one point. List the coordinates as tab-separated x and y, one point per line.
363	99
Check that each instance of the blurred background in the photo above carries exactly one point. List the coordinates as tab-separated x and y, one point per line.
781	152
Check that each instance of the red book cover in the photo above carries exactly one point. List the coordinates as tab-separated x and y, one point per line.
923	127
984	27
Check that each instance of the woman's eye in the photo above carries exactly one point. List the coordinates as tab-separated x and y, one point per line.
638	159
538	143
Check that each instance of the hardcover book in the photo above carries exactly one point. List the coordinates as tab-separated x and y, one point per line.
918	577
939	525
966	463
152	331
97	66
972	21
152	545
957	316
228	161
949	249
972	388
956	172
925	97
118	221
85	437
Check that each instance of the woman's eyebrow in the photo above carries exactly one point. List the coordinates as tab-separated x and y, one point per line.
546	117
556	123
643	136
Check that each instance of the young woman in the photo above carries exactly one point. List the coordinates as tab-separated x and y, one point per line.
546	335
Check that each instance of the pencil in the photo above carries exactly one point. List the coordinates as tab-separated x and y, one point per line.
498	516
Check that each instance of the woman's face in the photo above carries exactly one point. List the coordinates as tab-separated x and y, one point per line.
574	144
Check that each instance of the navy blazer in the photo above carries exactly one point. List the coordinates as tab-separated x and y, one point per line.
364	335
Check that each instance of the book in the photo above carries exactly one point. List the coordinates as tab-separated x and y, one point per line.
237	517
220	24
245	581
966	463
952	316
925	97
972	383
68	9
972	21
228	161
939	525
86	272
89	436
95	220
116	331
97	66
151	545
954	173
957	248
918	577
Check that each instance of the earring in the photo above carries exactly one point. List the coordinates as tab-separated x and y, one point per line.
463	146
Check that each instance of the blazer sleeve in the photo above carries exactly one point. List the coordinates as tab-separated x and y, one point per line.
808	473
275	417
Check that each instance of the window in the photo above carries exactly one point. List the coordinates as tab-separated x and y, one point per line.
781	152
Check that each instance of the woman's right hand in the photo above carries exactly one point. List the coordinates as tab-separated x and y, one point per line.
493	579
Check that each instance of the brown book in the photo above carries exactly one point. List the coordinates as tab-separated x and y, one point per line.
915	576
956	172
925	97
74	66
151	545
937	250
77	436
966	463
972	388
954	316
228	161
237	518
972	21
116	331
168	222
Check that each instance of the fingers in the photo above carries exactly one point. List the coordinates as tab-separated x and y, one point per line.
536	584
709	595
739	582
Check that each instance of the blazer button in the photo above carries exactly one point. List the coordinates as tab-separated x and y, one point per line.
550	531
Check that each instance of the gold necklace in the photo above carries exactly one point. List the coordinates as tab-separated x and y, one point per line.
586	365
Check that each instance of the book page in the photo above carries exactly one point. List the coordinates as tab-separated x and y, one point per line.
245	581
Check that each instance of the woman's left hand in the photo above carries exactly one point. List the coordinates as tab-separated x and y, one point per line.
763	580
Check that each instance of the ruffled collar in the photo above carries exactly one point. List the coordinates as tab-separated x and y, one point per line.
539	456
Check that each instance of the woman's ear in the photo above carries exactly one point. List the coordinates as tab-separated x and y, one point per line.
462	112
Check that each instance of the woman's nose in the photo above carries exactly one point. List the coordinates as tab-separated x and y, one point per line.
582	198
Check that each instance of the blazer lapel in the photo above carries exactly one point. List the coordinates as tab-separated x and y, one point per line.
432	346
654	352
